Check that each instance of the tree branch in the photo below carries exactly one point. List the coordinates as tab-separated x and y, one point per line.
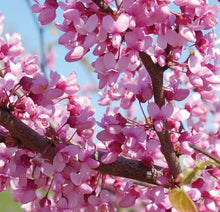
203	151
156	74
30	139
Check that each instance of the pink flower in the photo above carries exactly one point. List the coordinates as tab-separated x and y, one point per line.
116	27
141	86
47	11
173	92
108	69
42	90
102	201
81	115
174	39
14	47
29	64
75	54
159	115
69	85
130	197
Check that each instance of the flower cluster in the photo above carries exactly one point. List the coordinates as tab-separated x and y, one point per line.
117	35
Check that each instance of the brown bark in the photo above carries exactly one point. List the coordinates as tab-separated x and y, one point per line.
156	74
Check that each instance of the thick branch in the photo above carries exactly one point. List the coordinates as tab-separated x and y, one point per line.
169	154
29	138
156	74
122	167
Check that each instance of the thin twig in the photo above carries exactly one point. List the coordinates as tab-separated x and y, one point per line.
199	149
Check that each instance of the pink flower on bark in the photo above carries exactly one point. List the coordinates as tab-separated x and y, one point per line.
159	115
141	86
173	92
116	27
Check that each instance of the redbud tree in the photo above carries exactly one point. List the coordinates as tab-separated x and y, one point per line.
157	145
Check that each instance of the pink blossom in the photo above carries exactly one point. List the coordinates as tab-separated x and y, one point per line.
41	90
173	92
47	11
208	15
24	195
14	45
102	201
108	69
88	26
158	199
75	54
81	115
175	39
141	86
29	65
116	27
159	115
129	199
69	85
